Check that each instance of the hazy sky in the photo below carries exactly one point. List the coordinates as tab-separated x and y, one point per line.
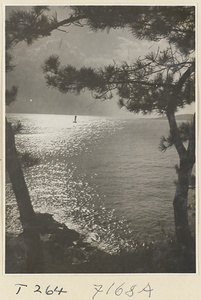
79	47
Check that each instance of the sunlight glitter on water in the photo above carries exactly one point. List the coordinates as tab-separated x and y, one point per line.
104	177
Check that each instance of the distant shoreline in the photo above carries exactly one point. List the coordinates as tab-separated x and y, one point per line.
182	117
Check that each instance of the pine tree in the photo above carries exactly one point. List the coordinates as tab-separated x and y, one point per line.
160	82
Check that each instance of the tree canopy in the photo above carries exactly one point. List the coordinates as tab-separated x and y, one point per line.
144	79
175	23
144	85
161	81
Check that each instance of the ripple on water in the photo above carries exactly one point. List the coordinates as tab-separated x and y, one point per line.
104	177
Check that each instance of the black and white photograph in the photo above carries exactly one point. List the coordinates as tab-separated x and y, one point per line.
100	139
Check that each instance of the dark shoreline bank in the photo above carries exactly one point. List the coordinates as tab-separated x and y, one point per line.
66	252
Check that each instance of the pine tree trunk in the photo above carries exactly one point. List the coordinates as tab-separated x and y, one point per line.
34	260
187	160
183	233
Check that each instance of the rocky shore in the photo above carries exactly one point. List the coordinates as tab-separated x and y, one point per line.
66	252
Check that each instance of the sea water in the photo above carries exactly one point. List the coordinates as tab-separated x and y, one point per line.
104	177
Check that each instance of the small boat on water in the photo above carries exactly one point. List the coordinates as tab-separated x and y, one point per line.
75	120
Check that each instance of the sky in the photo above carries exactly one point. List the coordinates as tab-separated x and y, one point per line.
78	46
